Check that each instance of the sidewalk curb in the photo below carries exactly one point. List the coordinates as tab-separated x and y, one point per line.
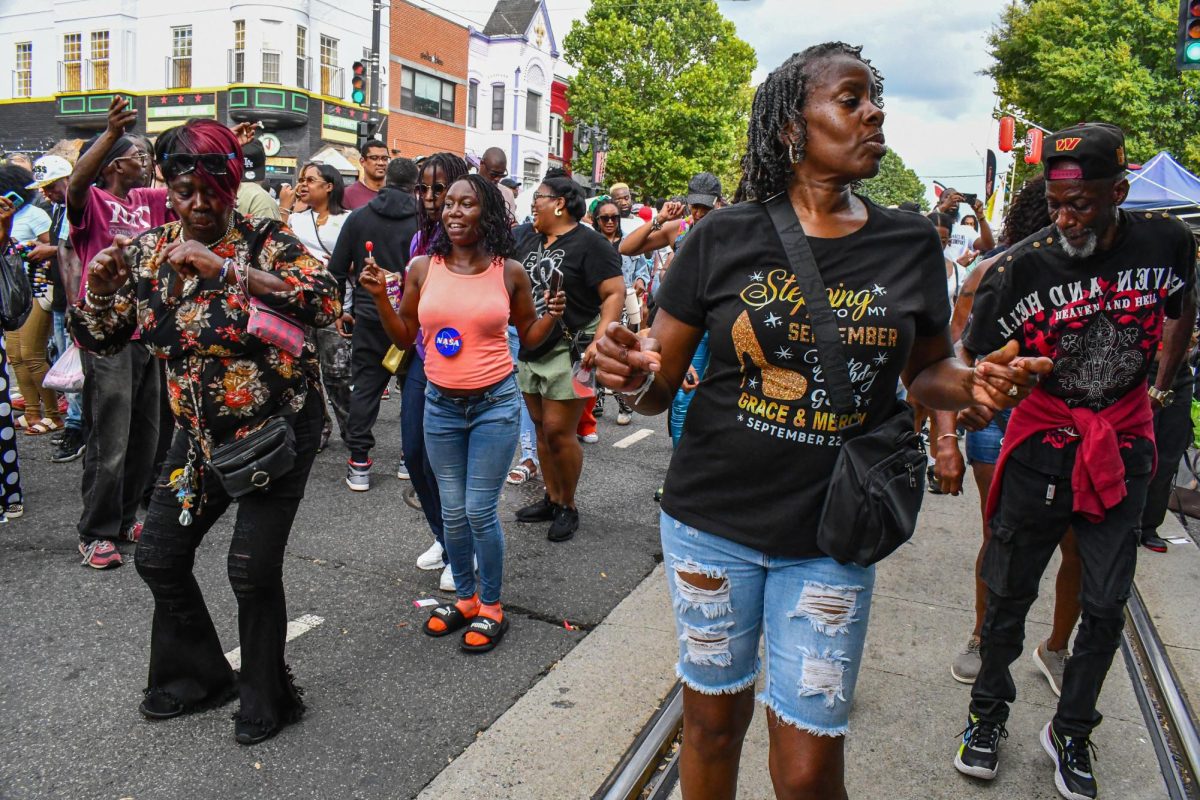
564	736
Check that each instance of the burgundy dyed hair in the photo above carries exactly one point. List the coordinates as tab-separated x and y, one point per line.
204	136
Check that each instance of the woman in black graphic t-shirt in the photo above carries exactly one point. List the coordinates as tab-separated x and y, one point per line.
747	482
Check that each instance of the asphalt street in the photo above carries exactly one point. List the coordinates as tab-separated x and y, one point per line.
388	706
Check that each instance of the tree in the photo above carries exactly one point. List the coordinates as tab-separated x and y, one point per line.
1068	61
669	82
895	184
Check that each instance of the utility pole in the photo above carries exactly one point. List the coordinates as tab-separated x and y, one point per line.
376	119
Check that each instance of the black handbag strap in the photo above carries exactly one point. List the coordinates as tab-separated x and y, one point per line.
823	321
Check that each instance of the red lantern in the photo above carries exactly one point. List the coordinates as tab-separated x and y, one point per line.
1007	129
1033	146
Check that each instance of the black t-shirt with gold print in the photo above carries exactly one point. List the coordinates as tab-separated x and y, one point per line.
761	438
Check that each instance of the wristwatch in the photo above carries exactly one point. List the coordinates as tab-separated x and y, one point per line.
1164	398
656	225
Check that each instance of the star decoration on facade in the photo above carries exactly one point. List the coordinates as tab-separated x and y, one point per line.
757	277
784	353
878	290
773	320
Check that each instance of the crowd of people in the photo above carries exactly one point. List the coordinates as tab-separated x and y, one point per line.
224	332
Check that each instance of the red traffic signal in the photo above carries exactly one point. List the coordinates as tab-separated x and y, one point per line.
1007	129
1033	146
358	83
1188	46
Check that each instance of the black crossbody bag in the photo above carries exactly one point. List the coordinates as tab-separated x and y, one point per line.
878	480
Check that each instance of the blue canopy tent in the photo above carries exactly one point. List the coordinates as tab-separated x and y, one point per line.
1163	185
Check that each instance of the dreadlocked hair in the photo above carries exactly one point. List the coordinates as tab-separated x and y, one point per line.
1027	213
780	100
452	168
497	235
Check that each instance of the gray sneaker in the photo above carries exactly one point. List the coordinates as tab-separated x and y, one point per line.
966	664
358	476
1052	663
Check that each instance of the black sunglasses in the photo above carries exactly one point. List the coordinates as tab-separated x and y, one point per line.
212	163
608	217
438	188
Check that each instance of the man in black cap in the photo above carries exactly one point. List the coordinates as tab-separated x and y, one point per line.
252	199
1093	292
669	226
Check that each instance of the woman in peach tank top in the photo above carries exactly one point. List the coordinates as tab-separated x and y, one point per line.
463	296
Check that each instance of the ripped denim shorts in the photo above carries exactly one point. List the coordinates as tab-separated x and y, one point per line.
812	613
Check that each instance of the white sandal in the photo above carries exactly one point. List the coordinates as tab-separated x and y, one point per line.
522	473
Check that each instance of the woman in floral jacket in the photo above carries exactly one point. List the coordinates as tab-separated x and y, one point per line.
185	289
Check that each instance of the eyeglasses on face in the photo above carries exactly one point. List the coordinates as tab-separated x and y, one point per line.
608	217
423	188
212	163
544	196
141	158
313	179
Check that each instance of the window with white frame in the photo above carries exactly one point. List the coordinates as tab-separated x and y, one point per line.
329	66
556	135
270	66
100	60
472	104
237	66
425	94
533	111
531	175
72	63
23	74
302	56
497	106
181	57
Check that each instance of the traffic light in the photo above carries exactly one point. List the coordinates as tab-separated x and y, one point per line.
1188	48
358	83
364	134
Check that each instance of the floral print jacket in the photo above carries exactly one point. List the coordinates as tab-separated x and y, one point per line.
238	380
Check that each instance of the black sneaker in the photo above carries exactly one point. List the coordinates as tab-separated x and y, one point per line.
978	755
70	448
566	522
598	411
541	511
1073	763
1154	542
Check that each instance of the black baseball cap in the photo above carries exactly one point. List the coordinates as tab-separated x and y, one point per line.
703	190
254	158
1087	151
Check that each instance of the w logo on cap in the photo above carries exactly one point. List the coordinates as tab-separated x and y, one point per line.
1067	144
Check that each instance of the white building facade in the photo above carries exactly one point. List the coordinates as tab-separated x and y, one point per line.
286	63
511	64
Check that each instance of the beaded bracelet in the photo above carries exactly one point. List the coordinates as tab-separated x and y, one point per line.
99	301
226	265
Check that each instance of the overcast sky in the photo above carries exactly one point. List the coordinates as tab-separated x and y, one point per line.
929	51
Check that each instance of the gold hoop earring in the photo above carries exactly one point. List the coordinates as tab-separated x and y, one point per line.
558	212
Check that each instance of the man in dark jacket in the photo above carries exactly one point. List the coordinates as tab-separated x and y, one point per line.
389	222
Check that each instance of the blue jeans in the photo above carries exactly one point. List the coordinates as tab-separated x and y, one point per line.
74	403
812	612
412	439
470	443
679	406
528	434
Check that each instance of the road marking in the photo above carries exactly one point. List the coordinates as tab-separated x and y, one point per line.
633	438
296	627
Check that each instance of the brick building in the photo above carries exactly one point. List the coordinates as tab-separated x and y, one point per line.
428	94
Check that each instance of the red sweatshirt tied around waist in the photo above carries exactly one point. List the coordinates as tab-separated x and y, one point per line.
1098	477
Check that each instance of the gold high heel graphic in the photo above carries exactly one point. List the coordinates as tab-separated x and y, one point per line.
777	383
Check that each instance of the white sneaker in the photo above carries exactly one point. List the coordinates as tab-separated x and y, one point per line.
590	438
446	582
402	472
431	558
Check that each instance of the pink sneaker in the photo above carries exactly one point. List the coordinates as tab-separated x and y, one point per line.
100	554
131	534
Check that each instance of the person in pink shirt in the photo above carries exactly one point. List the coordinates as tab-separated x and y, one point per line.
105	197
374	158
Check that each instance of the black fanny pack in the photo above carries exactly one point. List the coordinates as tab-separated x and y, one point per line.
250	464
878	480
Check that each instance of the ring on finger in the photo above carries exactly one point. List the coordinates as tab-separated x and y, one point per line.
1013	391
